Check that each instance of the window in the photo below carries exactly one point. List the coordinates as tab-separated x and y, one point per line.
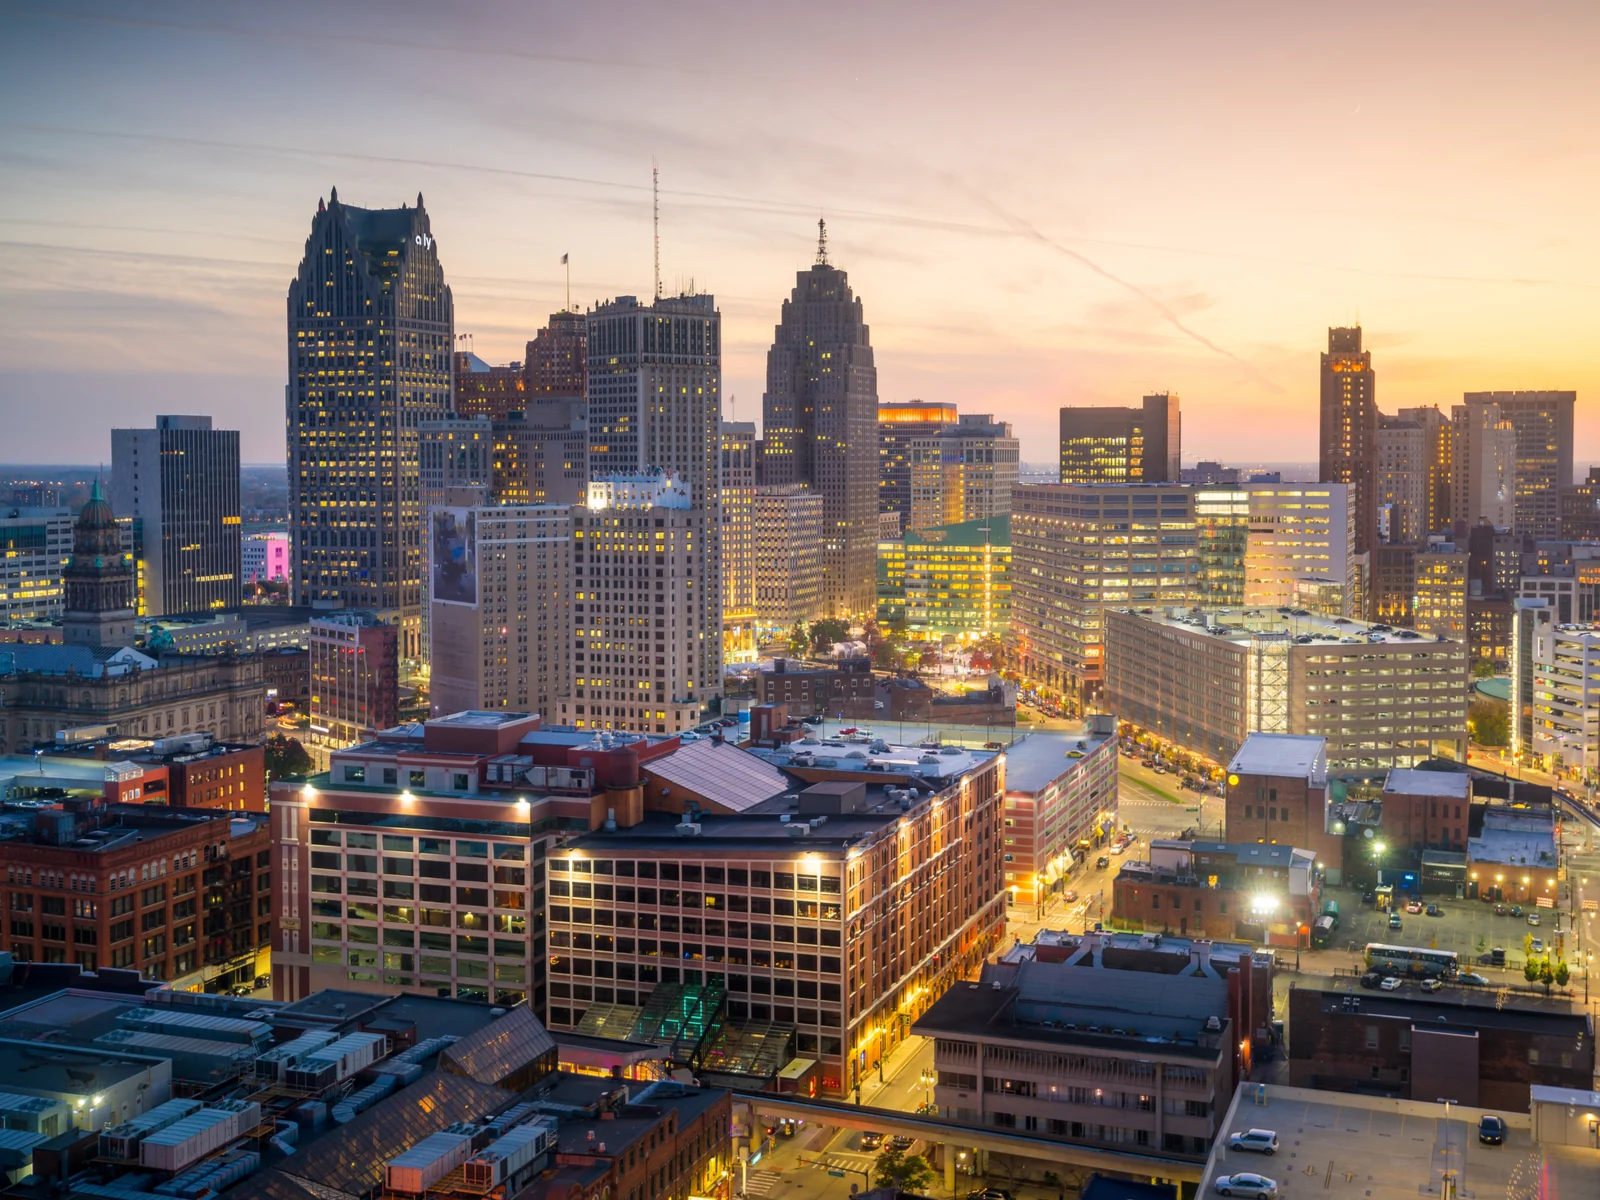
1372	1039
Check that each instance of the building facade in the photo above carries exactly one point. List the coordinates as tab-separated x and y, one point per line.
1402	480
556	363
1483	467
1438	446
898	424
371	337
98	581
505	641
1542	422
956	579
541	455
1123	445
1261	892
819	423
1077	550
180	483
1207	680
264	557
1061	804
962	473
739	541
1348	439
482	390
1441	592
1566	695
35	543
645	657
1580	509
786	532
355	676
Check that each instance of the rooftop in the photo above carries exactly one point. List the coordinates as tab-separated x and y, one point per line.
1244	625
1461	1007
746	831
1037	759
1286	755
1409	781
1380	1149
724	775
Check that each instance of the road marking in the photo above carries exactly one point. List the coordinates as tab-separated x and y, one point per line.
759	1183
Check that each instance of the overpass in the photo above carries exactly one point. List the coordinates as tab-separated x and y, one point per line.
967	1137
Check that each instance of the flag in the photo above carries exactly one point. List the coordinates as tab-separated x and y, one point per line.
563	260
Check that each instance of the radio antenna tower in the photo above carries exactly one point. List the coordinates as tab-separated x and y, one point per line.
655	216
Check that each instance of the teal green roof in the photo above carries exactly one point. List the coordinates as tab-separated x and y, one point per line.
991	531
1498	688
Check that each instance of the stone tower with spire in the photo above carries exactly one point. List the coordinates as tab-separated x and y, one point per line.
98	580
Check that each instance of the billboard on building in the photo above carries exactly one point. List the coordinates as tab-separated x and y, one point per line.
454	556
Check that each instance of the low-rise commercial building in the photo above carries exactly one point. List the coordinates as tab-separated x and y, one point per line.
1513	855
1277	792
1426	810
1079	1051
1264	893
355	676
1061	804
1206	679
835	690
1471	1047
1565	661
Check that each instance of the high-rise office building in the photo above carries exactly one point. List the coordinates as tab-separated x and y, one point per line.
820	414
1348	440
557	363
655	404
963	473
455	466
487	391
642	644
1077	550
1483	467
787	536
1438	444
1298	531
1441	592
499	607
898	424
371	332
1580	509
1402	483
738	541
35	544
1123	445
541	454
1543	425
180	483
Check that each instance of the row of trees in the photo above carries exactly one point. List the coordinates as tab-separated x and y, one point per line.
891	648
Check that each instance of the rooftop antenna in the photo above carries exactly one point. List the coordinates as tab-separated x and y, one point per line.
822	242
655	216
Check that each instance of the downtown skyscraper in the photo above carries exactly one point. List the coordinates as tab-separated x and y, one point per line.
654	388
1348	442
820	425
371	330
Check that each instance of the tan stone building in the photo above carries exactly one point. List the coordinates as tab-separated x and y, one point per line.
787	530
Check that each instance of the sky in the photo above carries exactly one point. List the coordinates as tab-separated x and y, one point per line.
1038	204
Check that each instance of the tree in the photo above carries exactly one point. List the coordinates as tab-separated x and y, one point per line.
896	1169
1547	974
1483	669
1488	723
1563	973
1530	970
826	632
799	643
286	756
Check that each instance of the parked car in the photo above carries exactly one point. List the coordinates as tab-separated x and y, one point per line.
1432	985
1371	979
1516	910
1394	921
1435	911
989	1193
1390	984
1534	919
1499	910
1368	897
1472	979
1537	945
1257	1141
1491	1130
1246	1184
871	1139
1414	906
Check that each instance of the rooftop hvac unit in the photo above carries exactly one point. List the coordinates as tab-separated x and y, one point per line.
359	1102
193	1137
256	1034
273	1062
16	1147
321	1068
122	1141
429	1161
501	1159
211	1177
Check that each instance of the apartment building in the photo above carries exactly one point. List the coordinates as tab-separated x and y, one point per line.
500	614
832	913
1207	679
176	894
1078	550
1061	804
1079	1051
639	625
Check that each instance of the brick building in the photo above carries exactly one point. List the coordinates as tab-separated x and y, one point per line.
1426	810
808	690
1264	893
1278	793
1459	1044
196	771
177	895
286	672
1061	803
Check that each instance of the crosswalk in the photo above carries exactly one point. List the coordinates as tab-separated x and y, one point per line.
760	1183
848	1162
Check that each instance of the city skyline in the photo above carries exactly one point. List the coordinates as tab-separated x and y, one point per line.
175	222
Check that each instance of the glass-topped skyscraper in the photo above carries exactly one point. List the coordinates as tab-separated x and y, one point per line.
371	327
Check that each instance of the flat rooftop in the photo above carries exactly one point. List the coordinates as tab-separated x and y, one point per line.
1286	755
1177	951
1379	1149
1038	758
1470	1007
857	753
747	831
1408	781
1246	624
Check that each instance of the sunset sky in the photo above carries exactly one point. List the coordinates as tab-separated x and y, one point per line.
1037	203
